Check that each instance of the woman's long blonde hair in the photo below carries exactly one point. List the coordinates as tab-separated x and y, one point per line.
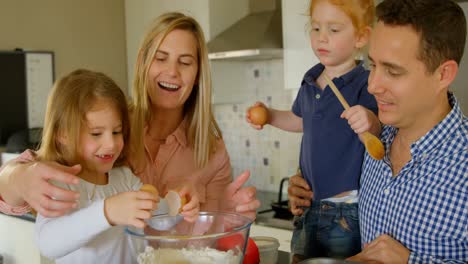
70	99
203	131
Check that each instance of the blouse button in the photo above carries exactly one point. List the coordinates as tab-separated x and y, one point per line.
317	96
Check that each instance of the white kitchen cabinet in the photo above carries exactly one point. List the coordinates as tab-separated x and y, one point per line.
17	243
283	235
297	52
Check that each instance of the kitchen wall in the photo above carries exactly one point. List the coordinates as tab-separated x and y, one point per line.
85	33
270	154
460	86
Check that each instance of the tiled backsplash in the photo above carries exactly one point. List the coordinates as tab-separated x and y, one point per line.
270	154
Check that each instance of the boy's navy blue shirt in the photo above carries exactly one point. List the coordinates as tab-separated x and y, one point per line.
331	153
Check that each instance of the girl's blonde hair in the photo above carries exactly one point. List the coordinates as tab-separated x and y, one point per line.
361	12
203	131
70	99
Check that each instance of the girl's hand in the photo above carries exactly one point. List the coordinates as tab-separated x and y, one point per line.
191	209
130	208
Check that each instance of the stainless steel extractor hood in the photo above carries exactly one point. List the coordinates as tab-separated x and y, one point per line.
258	35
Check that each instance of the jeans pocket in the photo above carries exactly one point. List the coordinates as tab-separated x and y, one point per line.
298	221
298	236
350	218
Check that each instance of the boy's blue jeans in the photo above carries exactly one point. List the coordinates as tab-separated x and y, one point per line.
327	229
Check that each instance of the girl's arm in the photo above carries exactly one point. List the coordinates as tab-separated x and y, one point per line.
57	237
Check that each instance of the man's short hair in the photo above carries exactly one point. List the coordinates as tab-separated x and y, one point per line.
440	23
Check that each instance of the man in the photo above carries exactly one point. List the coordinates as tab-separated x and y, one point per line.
413	203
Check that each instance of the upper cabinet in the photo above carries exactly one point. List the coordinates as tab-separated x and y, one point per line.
298	55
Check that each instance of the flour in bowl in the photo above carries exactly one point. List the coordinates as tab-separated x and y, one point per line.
187	256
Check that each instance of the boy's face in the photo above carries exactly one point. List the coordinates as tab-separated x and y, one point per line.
333	36
405	92
101	139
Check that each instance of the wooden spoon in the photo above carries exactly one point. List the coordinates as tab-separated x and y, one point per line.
372	144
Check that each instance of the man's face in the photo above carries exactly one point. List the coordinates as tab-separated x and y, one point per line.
405	92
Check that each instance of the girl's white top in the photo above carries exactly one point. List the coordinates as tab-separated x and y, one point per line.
84	235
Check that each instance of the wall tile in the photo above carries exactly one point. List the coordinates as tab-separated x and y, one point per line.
270	154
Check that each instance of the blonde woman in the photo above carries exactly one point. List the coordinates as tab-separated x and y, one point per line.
174	138
173	126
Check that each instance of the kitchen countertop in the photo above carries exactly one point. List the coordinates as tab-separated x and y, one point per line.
265	214
28	217
267	219
283	257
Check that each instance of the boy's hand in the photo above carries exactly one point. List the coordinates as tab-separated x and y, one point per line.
247	116
130	208
360	119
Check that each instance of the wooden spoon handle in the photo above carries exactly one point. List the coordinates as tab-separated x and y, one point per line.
336	92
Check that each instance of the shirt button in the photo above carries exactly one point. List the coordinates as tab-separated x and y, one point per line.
317	96
386	191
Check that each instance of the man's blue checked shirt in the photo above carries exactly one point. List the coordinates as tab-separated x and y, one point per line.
425	206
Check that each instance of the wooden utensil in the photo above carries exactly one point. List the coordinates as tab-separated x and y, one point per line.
372	144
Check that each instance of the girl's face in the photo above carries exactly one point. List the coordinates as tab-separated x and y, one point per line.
174	70
101	139
333	37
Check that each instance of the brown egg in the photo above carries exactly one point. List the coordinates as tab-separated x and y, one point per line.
258	115
149	188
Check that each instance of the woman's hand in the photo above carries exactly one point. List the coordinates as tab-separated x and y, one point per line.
241	199
191	209
130	208
30	181
299	194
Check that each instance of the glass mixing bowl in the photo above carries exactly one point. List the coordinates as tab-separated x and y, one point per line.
214	237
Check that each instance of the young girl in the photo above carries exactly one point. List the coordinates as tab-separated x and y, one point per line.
87	123
331	152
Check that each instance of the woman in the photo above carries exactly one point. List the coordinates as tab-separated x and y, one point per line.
175	139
